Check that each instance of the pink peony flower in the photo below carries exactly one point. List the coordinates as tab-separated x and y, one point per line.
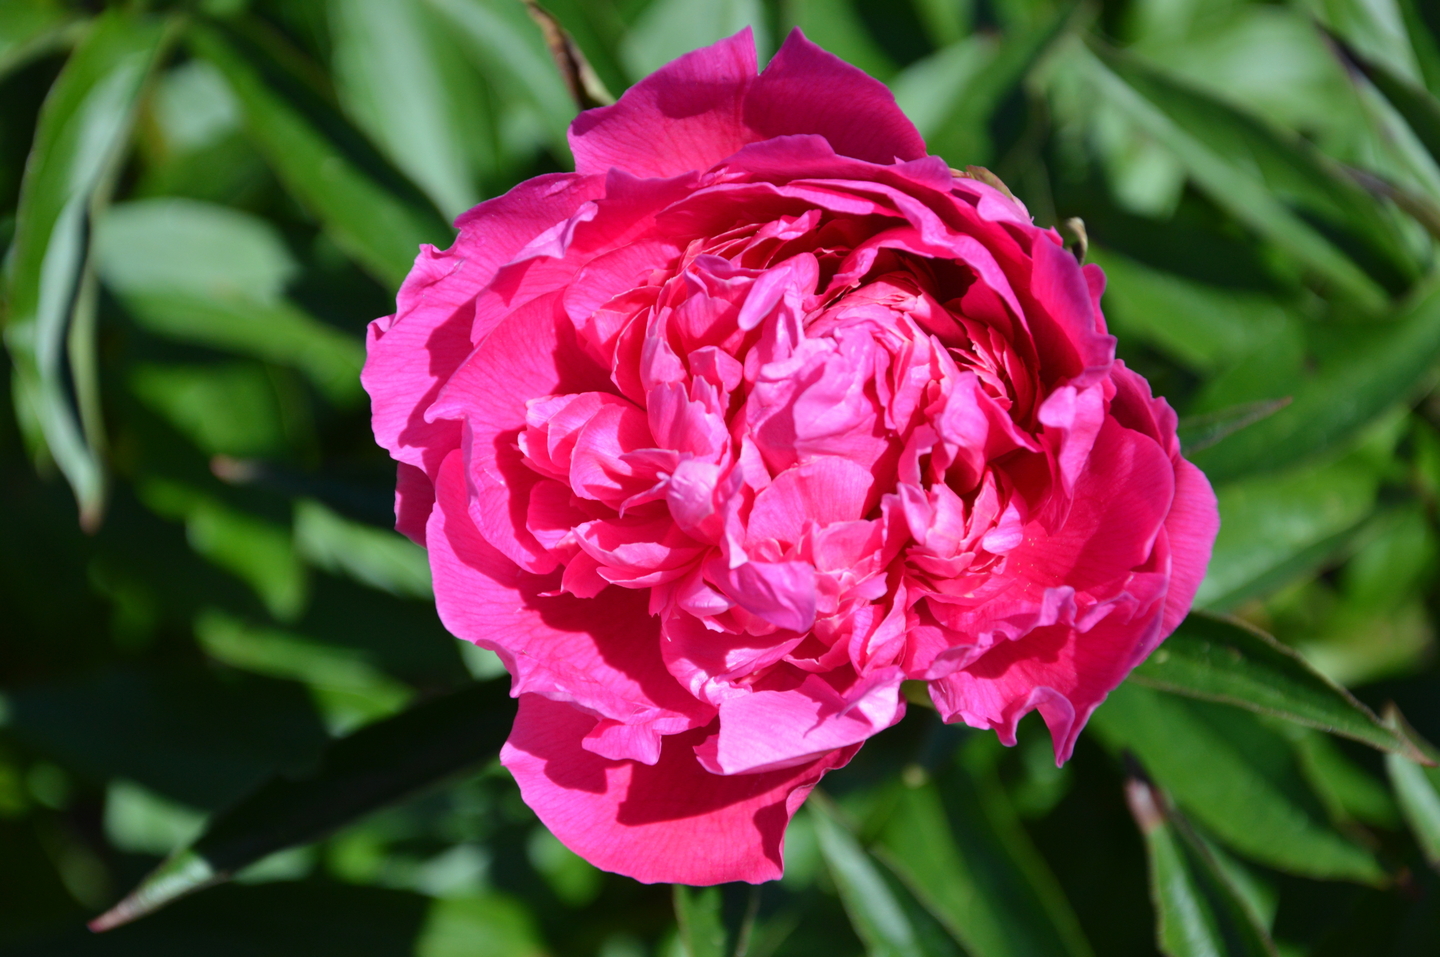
759	413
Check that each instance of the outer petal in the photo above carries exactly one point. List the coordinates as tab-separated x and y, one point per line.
670	822
684	116
410	355
1192	524
808	90
602	653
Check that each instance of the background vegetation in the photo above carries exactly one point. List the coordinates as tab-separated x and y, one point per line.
202	204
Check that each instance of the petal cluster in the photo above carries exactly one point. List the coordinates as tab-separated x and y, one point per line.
759	413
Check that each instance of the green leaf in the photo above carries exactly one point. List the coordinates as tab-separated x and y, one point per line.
698	912
348	688
505	45
1225	660
31	28
401	78
1199	911
374	217
257	551
972	98
1267	521
1350	793
81	136
374	767
169	244
378	557
1198	432
1392	364
494	925
958	845
1236	777
1420	109
1418	791
228	409
1212	140
876	913
669	28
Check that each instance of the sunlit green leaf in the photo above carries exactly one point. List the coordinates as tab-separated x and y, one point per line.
81	136
1234	776
875	912
506	46
372	219
1225	660
29	28
400	77
493	926
1417	789
349	690
379	557
669	28
368	770
1182	119
1269	520
1199	911
1391	364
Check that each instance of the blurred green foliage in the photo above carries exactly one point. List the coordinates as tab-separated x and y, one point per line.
203	203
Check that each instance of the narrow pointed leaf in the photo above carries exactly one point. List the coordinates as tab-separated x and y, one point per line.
1334	405
958	845
402	80
1226	660
507	46
876	913
1418	791
1235	776
83	130
370	211
1199	912
1178	118
358	774
1202	431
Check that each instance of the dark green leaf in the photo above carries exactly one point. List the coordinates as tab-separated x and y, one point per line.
364	772
960	848
324	164
1330	408
82	133
1225	660
1236	777
1199	912
182	732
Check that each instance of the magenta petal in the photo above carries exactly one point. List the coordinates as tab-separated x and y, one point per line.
601	653
1191	525
808	90
770	730
414	498
671	822
684	116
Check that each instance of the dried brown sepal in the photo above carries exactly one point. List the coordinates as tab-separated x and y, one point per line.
983	175
586	88
1080	245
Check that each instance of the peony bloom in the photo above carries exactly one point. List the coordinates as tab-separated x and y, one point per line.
759	413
